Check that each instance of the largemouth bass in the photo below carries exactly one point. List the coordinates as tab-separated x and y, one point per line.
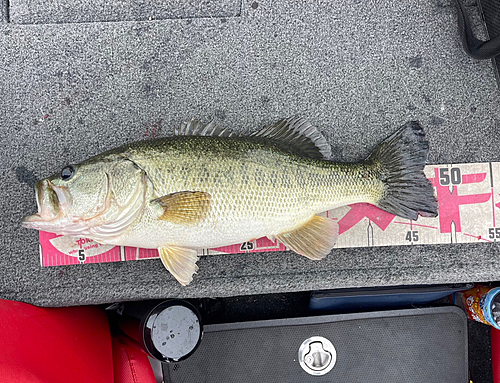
206	188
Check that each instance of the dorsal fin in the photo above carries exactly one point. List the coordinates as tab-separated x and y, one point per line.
300	134
197	128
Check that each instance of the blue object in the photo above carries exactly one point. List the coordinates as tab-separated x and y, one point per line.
377	298
487	306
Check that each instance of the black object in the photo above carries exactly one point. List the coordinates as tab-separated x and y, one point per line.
369	298
171	331
490	10
480	352
416	345
168	330
474	47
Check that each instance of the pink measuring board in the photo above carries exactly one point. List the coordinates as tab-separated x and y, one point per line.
469	211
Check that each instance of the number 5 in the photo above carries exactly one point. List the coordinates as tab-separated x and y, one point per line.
444	177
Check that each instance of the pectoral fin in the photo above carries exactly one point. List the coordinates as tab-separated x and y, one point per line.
180	261
184	207
314	240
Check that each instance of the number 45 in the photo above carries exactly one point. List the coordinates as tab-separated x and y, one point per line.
412	236
494	232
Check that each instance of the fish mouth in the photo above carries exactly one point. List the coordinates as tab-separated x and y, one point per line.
51	201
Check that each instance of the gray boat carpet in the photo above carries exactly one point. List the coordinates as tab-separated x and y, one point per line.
80	77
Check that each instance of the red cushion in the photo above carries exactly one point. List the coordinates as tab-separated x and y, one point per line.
495	354
71	344
130	362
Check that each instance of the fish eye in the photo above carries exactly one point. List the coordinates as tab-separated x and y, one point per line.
68	172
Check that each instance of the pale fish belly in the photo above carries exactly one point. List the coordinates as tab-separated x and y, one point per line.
215	231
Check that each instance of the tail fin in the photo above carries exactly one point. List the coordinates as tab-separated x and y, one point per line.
401	159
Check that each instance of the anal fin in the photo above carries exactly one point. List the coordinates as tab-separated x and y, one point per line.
314	240
180	261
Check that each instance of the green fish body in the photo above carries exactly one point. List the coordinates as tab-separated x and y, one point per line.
208	189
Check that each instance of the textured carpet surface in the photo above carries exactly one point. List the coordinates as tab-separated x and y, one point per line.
358	70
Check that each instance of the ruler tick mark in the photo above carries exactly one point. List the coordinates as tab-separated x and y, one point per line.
369	231
491	175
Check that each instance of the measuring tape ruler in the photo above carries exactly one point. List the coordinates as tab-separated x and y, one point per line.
469	209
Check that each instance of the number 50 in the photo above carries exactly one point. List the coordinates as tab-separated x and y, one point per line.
446	176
